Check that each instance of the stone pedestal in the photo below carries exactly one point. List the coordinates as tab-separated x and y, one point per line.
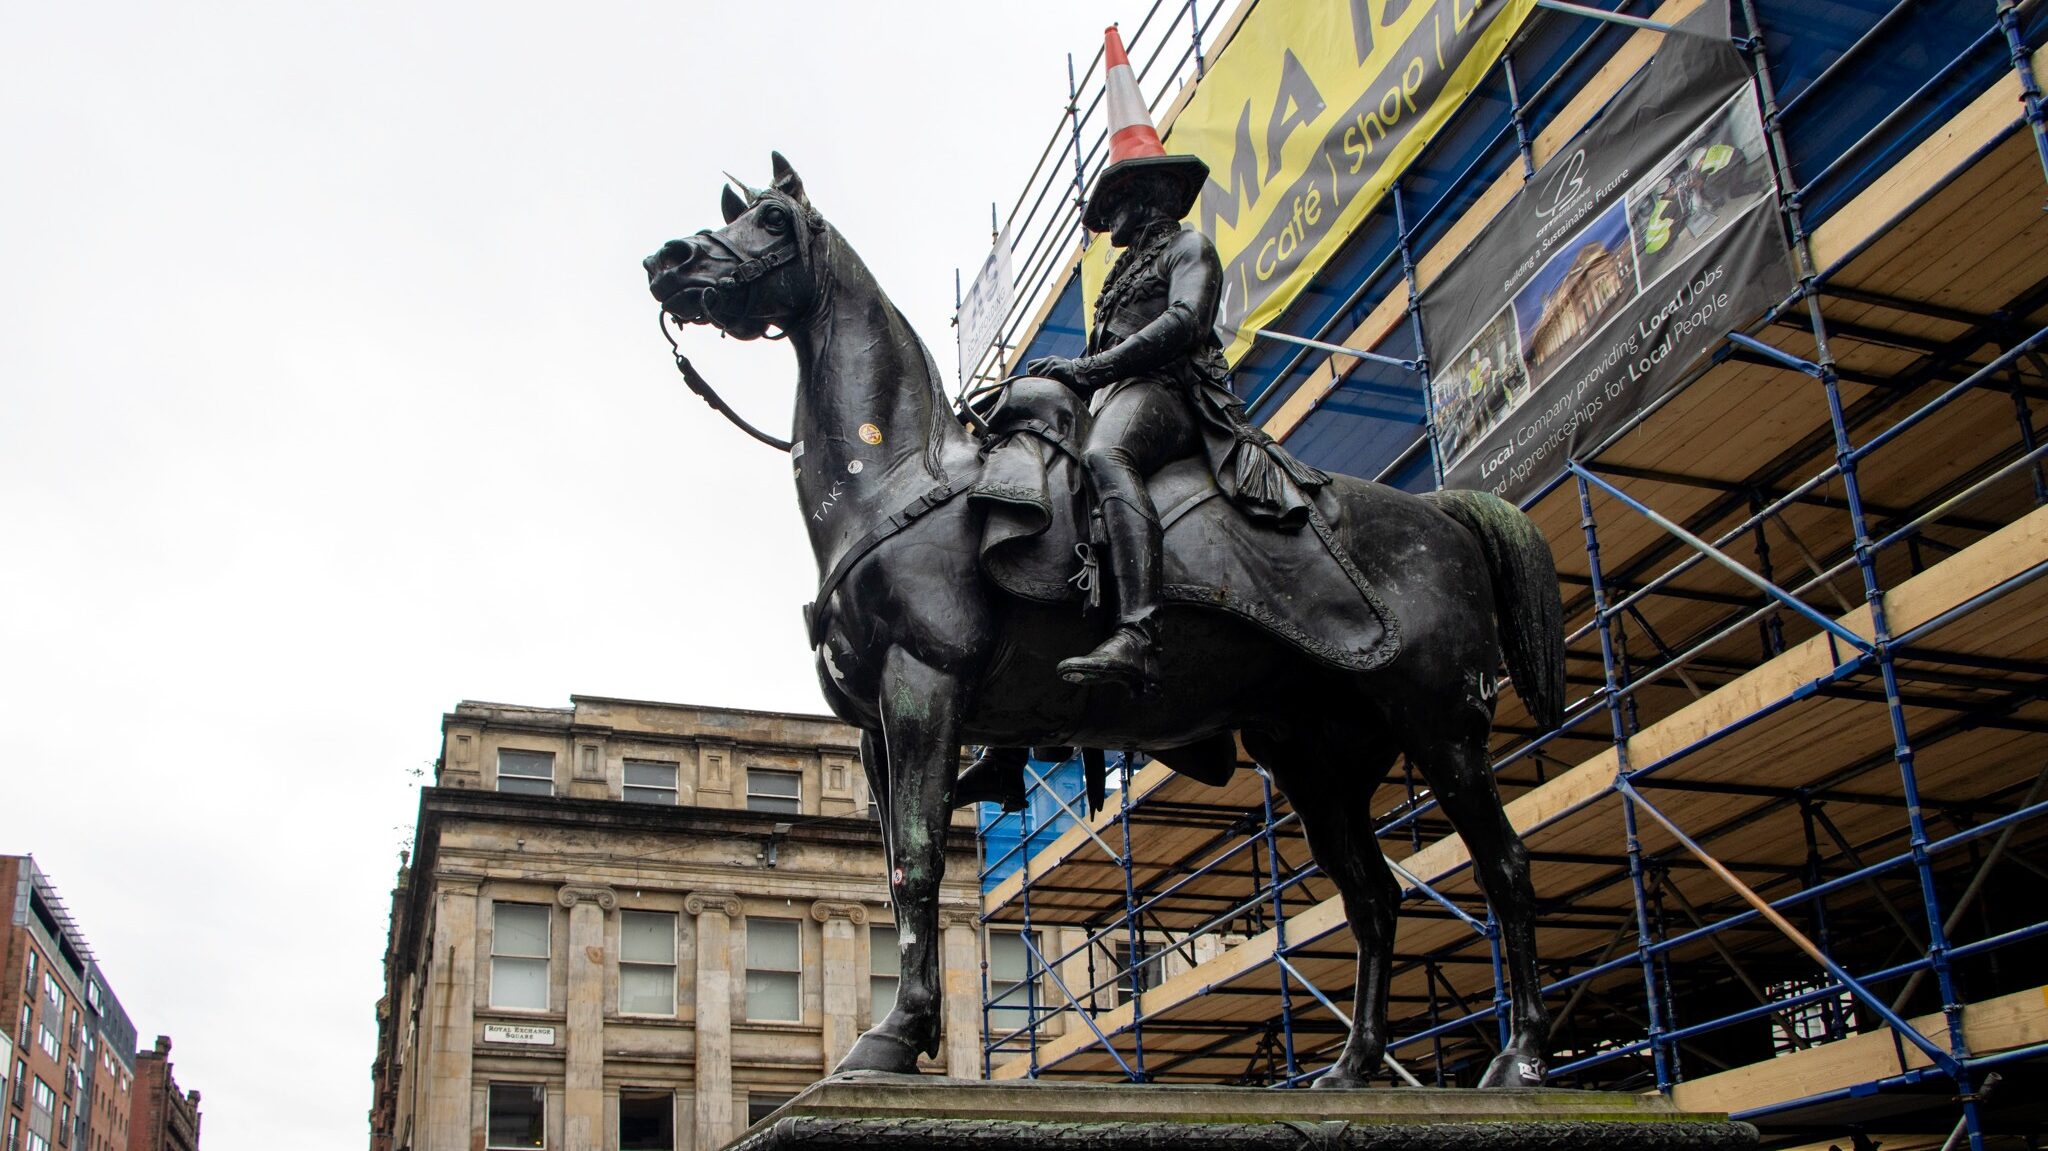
866	1109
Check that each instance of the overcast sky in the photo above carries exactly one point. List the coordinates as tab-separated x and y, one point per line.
332	396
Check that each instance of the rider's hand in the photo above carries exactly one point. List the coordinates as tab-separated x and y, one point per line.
1058	368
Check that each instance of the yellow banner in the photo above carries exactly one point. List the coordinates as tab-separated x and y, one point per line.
1305	119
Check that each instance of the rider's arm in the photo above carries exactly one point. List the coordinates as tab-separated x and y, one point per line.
1194	277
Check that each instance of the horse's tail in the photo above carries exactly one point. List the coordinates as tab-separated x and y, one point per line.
1525	596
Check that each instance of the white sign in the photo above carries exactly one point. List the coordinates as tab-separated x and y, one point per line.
519	1033
982	310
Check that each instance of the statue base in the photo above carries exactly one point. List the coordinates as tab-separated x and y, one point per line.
926	1113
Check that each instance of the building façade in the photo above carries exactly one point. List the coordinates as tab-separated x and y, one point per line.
641	926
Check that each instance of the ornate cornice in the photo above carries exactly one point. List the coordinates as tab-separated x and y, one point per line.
697	903
572	894
826	909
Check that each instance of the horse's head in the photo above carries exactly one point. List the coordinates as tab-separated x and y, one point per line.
757	271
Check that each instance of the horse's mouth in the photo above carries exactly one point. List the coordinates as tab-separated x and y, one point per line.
688	304
700	304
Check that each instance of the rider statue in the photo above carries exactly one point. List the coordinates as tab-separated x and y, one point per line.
1159	391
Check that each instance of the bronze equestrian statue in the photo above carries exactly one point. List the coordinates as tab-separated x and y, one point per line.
1355	625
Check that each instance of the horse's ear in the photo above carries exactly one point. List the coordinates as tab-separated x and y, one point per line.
731	204
787	181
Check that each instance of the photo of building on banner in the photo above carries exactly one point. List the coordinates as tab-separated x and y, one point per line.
1609	275
1688	200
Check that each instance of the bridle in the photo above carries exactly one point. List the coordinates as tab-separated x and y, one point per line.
749	271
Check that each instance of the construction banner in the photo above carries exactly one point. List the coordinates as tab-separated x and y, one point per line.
1627	258
1305	119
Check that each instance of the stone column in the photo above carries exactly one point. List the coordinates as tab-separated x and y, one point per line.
713	1089
450	1017
842	990
583	1124
960	958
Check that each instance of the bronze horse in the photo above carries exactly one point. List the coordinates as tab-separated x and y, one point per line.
924	655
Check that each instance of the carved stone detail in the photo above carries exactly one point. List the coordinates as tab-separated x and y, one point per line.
825	909
572	894
697	903
959	917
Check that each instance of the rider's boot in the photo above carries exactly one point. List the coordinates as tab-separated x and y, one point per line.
1127	656
995	776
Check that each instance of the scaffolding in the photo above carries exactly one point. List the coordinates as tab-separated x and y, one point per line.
1788	837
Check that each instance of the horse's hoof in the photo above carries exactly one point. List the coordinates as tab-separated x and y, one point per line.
1338	1079
880	1051
1511	1068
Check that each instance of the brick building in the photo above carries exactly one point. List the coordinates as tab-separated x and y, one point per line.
165	1119
69	1075
641	926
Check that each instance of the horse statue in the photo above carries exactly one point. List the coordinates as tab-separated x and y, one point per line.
924	652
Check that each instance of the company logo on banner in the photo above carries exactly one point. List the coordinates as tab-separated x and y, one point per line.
983	307
1625	259
1304	120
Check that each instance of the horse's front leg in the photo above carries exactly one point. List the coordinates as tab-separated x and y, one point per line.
920	707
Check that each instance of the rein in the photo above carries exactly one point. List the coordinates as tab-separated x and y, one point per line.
705	392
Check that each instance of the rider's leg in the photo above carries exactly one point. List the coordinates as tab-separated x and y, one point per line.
995	776
1141	428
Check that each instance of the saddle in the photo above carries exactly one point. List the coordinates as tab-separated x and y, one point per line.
1035	543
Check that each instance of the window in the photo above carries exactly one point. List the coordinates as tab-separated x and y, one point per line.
518	1116
774	970
885	967
1148	974
42	1114
1815	1021
526	772
50	1043
774	790
1012	981
647	963
28	983
519	958
647	1120
761	1104
650	782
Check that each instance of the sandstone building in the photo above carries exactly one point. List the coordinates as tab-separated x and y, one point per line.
70	1070
165	1119
639	926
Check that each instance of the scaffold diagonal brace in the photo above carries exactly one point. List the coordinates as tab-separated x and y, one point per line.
1948	1063
1038	957
1484	929
1727	561
1399	1071
1079	822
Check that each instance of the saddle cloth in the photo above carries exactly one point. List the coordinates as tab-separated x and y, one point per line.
1290	583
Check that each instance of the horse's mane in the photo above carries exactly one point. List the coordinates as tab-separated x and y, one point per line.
941	405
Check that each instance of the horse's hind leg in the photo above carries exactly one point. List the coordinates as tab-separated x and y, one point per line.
1451	755
920	708
1331	790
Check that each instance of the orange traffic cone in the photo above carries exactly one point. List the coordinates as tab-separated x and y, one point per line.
1134	146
